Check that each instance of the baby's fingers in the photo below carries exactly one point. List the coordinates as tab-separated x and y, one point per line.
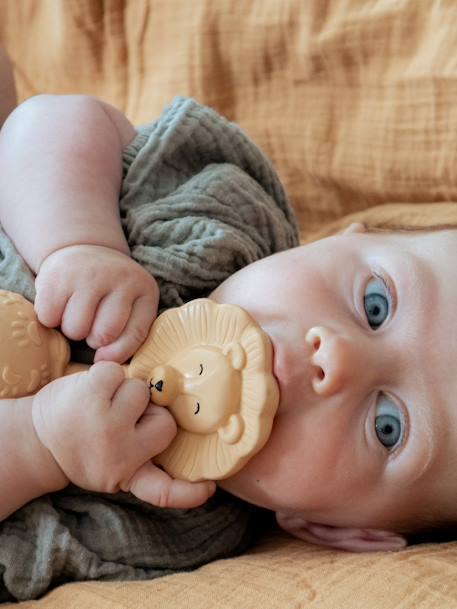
105	379
155	486
110	319
143	313
156	430
50	303
79	313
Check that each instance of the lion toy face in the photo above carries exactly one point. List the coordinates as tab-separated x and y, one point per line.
211	365
202	389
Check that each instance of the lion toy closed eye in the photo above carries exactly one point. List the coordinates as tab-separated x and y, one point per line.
209	364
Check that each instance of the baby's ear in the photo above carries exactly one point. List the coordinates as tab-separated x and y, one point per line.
341	538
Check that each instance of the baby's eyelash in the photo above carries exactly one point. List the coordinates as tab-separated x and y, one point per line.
390	287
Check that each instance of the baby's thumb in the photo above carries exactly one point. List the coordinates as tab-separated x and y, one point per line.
153	485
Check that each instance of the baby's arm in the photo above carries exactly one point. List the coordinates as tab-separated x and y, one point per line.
96	429
27	468
61	175
60	179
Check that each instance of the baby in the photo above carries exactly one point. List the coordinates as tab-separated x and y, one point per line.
363	444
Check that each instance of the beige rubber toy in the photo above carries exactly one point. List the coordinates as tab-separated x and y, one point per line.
209	364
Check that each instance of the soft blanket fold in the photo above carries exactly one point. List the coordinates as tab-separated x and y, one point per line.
199	201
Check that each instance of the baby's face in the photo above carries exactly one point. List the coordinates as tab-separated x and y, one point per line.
364	329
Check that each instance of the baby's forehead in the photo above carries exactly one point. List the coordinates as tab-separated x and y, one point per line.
436	249
415	237
426	262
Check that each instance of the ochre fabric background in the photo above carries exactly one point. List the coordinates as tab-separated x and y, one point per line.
355	102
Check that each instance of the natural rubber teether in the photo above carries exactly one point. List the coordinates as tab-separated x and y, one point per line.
31	355
210	364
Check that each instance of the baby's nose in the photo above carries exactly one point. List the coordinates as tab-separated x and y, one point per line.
334	360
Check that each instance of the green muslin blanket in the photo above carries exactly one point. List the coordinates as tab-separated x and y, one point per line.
199	201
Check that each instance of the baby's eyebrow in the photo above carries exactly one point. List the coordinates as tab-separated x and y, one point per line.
417	291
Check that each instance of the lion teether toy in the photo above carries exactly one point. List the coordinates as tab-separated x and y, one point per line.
209	364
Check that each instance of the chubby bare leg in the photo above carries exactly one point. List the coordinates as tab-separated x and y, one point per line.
8	99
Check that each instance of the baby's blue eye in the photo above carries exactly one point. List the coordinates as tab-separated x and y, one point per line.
389	423
376	302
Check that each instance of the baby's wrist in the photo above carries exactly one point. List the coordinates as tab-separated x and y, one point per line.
44	471
121	248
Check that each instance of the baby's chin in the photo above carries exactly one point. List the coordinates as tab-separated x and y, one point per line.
240	487
257	481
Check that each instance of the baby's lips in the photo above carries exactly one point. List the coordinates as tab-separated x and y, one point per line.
283	366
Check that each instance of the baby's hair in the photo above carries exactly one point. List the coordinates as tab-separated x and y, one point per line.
431	524
438	531
383	226
409	228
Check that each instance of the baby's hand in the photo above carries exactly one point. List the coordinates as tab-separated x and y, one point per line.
98	294
102	431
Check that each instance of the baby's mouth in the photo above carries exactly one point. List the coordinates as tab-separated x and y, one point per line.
292	369
284	375
282	364
282	370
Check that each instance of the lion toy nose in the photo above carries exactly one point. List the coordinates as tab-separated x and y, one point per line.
164	384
